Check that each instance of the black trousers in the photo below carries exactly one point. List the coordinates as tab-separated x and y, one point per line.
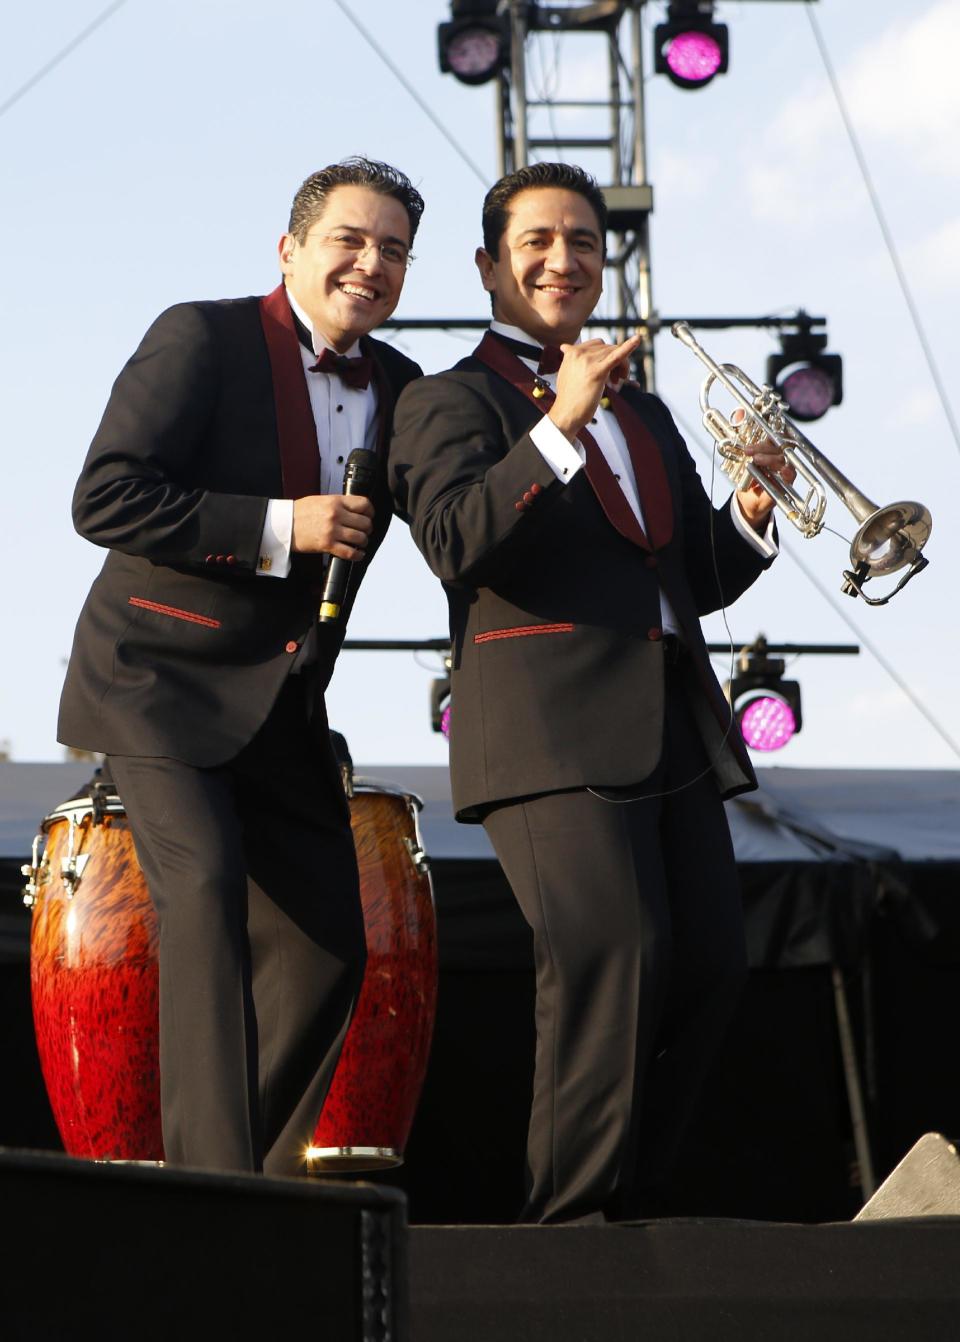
252	872
638	941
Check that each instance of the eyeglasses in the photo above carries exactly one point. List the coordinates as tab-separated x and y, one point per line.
352	244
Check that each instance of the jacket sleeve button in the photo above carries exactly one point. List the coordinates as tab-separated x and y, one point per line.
654	635
291	646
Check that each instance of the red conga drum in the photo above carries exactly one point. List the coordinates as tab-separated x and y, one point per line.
93	975
369	1109
94	982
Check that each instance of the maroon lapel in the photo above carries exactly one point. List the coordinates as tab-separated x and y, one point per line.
611	497
385	397
296	428
656	502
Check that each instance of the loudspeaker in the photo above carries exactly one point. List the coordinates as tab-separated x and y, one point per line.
127	1251
925	1183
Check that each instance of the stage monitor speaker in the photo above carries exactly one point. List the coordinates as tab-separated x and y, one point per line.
925	1183
113	1251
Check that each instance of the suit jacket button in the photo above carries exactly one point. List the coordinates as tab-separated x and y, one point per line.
292	646
654	635
651	561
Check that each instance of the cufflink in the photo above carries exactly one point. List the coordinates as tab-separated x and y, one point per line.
605	402
265	563
539	391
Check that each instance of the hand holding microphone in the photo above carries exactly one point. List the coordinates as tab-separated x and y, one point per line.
339	525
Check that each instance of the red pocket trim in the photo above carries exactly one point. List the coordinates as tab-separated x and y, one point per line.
522	631
190	616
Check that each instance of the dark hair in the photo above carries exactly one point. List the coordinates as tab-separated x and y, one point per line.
566	176
311	199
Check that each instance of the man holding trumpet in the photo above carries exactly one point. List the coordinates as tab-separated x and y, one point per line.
563	512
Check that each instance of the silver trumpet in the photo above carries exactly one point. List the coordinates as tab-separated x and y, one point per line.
888	539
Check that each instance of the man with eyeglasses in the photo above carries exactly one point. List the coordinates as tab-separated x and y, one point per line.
562	510
199	665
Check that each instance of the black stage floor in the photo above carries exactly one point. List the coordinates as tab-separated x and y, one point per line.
120	1252
688	1281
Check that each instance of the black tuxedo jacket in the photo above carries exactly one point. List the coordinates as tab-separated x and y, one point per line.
555	616
181	649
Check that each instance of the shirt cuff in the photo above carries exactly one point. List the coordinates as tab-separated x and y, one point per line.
764	544
275	541
563	457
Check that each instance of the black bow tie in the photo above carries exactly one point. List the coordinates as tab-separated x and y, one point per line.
548	360
354	372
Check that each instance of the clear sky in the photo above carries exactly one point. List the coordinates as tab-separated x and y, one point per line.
156	163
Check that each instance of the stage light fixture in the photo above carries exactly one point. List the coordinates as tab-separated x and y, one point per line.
766	707
809	380
690	49
475	45
440	705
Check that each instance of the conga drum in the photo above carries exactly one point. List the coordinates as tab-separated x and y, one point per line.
94	982
372	1100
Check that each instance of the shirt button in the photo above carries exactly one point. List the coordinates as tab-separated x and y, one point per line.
615	476
654	635
340	461
291	646
339	409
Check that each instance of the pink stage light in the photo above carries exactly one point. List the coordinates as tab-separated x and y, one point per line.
767	723
694	57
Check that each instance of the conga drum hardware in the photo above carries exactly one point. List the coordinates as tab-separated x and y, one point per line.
417	855
37	872
79	816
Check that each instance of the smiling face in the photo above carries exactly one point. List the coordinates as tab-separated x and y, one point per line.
338	273
548	273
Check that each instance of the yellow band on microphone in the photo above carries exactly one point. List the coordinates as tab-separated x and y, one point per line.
329	610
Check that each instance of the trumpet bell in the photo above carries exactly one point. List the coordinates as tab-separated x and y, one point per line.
891	538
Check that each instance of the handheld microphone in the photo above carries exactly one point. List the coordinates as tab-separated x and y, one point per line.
358	478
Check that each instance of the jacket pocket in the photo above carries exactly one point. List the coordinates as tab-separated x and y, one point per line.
522	631
174	611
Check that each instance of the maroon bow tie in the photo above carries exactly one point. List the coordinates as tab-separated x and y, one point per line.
548	360
354	372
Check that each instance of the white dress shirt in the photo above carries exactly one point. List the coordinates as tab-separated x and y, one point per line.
346	417
565	459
